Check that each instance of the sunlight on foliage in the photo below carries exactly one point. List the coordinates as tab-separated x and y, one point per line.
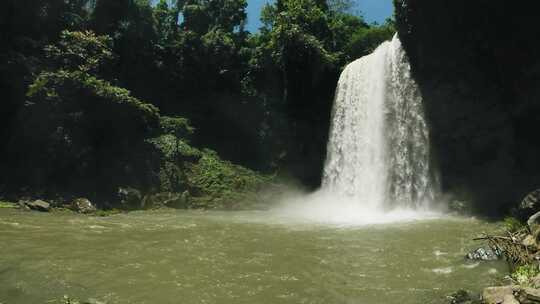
523	274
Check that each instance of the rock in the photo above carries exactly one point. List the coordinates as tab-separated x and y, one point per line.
83	205
22	205
496	295
459	207
130	198
459	297
535	282
484	254
185	197
531	201
510	299
534	221
39	205
168	199
160	199
529	295
536	236
530	204
528	241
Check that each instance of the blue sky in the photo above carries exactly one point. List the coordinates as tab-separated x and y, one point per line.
372	10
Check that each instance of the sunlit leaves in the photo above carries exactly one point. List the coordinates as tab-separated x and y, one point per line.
84	51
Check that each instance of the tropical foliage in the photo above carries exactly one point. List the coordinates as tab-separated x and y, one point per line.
106	94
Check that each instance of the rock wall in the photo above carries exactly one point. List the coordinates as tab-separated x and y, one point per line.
478	65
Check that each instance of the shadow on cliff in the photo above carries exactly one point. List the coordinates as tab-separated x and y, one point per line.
478	68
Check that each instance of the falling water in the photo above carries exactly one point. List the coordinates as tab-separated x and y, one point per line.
378	150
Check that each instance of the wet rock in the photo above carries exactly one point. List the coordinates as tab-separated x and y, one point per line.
534	221
185	198
530	204
484	254
460	297
459	207
160	199
528	241
529	295
531	201
535	282
22	205
510	299
38	205
130	198
496	295
83	205
168	199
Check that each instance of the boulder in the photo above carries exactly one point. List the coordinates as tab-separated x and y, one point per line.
185	198
460	297
130	198
510	299
528	241
22	205
535	282
530	204
496	295
83	205
534	221
168	199
38	205
529	295
160	199
484	254
460	207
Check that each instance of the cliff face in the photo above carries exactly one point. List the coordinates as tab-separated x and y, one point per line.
478	66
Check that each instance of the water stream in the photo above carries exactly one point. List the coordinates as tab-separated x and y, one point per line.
234	257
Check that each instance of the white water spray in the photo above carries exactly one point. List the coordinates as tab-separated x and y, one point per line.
378	159
378	150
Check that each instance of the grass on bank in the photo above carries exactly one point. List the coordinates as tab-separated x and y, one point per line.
5	204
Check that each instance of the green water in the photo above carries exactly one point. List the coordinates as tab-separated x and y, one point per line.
234	257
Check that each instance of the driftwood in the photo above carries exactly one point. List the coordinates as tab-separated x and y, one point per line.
511	247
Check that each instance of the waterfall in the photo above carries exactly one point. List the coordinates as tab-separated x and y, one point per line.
378	151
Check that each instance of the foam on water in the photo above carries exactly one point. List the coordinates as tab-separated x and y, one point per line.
328	208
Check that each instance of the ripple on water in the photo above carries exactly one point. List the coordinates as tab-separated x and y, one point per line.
471	265
258	260
443	270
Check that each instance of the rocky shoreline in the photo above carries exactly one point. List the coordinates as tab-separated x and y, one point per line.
520	247
129	199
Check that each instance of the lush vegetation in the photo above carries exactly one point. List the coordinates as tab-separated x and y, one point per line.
100	96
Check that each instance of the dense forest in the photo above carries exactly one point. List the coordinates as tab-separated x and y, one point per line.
176	96
100	96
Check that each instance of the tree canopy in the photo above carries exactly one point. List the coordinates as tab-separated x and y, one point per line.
101	87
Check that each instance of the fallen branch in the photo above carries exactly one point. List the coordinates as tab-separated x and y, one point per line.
515	253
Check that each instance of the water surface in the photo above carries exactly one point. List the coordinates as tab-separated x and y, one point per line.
234	257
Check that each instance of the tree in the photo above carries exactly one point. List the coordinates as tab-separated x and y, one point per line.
27	26
201	16
74	122
84	51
